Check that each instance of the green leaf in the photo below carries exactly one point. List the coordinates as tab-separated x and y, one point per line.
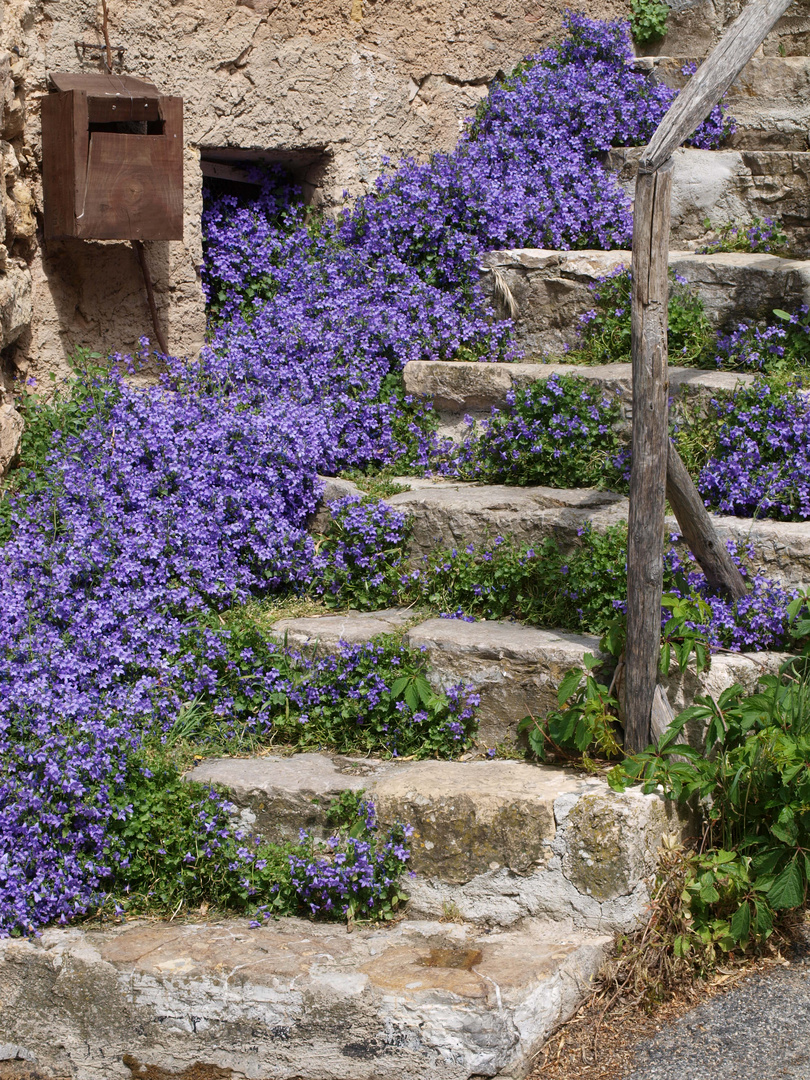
783	315
569	684
665	658
787	890
424	689
764	919
741	922
398	685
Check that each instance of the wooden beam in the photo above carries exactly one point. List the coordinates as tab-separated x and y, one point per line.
699	531
645	541
711	80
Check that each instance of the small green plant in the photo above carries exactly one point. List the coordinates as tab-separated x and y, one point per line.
605	332
763	235
378	486
585	723
680	637
648	20
753	779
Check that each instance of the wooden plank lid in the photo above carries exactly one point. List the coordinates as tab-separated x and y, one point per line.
102	85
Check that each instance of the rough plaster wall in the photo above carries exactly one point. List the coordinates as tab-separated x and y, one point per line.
359	79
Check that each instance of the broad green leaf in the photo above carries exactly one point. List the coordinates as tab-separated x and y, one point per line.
569	684
741	922
787	890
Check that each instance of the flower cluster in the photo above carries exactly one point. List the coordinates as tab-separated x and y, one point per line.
765	235
356	876
761	466
758	621
558	431
783	344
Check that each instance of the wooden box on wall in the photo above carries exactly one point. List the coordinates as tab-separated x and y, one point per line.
112	159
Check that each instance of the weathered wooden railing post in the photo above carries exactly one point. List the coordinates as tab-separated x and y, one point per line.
657	467
645	552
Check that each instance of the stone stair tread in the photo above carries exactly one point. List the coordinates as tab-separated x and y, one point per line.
455	512
515	669
295	999
500	840
466	387
552	288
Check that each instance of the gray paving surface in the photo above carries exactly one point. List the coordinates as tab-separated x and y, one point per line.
759	1031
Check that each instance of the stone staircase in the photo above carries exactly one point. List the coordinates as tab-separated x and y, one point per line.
523	873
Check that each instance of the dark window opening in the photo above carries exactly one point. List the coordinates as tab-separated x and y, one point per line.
229	168
129	127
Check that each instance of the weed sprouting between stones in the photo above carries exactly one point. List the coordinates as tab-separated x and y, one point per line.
763	235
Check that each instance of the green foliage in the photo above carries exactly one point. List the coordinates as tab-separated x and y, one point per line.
605	334
752	777
51	422
648	20
178	846
585	723
540	584
757	235
679	638
175	847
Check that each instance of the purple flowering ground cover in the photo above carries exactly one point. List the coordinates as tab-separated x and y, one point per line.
162	510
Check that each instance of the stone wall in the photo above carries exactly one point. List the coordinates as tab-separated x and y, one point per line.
17	218
328	86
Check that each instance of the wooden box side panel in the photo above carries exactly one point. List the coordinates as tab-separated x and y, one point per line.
62	146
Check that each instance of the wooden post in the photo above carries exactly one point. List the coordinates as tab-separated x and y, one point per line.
698	530
645	540
657	467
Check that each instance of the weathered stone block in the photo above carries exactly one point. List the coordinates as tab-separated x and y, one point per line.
292	1000
473	817
450	514
326	631
515	669
279	796
552	289
16	303
769	100
588	853
724	186
11	429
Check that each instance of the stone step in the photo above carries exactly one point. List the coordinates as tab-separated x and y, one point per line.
515	669
694	27
494	841
465	388
552	288
295	999
448	513
769	100
727	186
